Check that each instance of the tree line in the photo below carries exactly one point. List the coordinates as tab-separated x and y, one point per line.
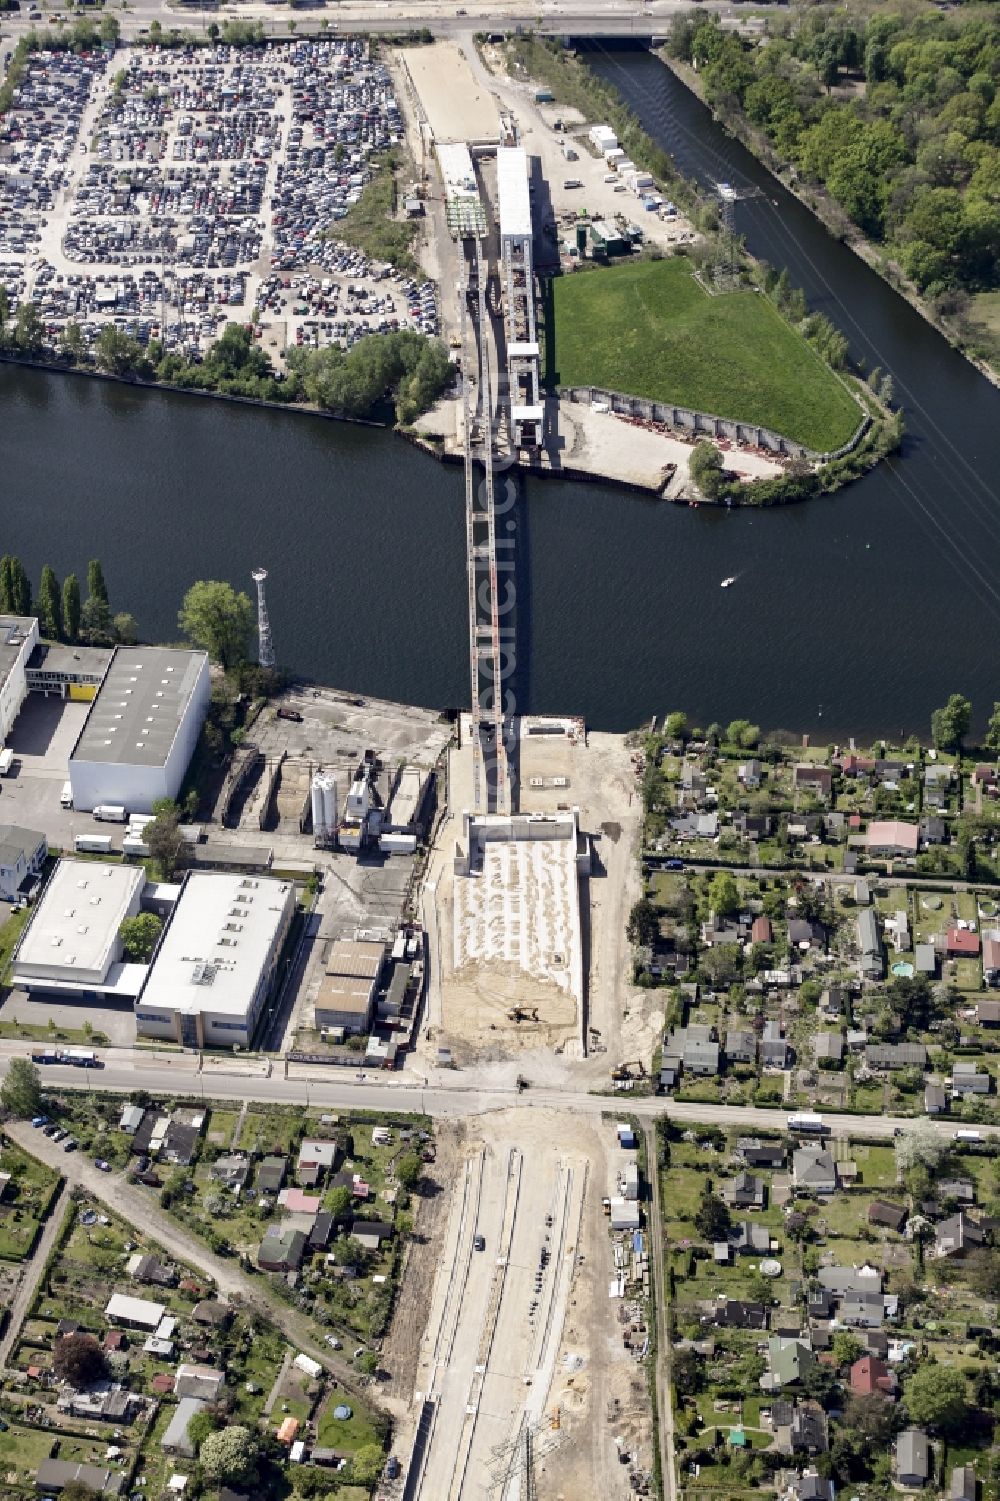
408	368
213	615
63	614
910	151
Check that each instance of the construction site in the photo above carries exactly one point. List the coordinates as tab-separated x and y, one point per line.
524	1386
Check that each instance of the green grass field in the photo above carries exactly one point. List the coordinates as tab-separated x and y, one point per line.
648	329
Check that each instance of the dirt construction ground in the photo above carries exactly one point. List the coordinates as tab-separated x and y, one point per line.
594	773
521	1334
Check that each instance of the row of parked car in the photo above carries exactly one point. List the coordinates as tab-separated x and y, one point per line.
57	1133
37	135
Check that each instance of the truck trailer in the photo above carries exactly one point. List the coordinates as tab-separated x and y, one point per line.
110	813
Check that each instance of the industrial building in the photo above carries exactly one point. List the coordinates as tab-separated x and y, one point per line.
362	806
514	196
72	946
217	960
141	730
346	998
23	853
18	639
401	821
72	672
608	239
464	209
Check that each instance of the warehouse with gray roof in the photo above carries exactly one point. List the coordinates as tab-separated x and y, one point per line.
141	730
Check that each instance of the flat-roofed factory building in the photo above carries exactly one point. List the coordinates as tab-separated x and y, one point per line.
141	729
72	945
72	672
217	961
18	639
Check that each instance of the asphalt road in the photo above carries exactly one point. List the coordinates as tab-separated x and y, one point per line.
436	1099
605	18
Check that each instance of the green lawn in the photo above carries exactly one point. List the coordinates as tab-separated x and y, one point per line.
23	1449
350	1434
648	329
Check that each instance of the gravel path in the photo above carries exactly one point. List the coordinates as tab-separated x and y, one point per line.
32	1271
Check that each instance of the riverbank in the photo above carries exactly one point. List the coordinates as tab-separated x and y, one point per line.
699	353
814	197
59	367
585	442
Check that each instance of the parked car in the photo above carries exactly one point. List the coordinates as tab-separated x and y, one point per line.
105	1167
70	1145
39	1120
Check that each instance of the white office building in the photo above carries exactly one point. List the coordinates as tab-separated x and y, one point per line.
23	853
18	639
72	947
217	960
141	730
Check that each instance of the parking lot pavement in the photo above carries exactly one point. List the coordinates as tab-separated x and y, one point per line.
42	739
214	178
117	1023
44	734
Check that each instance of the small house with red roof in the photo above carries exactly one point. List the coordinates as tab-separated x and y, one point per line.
962	943
872	1377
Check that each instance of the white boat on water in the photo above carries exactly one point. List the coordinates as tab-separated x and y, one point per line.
726	582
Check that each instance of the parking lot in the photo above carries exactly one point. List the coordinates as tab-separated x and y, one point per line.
171	191
43	736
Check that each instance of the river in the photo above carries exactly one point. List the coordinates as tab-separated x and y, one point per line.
847	615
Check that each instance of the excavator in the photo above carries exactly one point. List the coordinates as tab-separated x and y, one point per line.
633	1069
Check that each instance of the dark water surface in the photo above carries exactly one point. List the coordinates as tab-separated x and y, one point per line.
859	612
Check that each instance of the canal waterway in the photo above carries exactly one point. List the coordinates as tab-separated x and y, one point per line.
857	612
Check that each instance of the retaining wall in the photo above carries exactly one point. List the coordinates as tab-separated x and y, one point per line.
704	424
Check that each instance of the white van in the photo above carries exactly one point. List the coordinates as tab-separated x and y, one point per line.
66	796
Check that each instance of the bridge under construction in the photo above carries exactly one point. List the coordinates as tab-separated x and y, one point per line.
501	413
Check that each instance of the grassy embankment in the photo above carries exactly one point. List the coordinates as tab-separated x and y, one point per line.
649	329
